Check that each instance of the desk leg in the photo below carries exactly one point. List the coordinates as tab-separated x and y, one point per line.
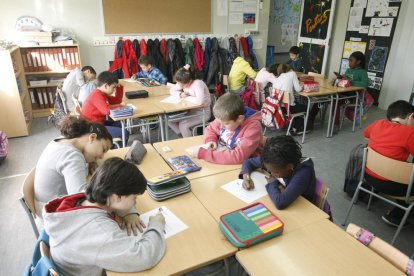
355	110
328	132
306	120
166	126
123	133
334	114
161	126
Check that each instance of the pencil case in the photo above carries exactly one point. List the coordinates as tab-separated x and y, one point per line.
136	94
250	225
136	152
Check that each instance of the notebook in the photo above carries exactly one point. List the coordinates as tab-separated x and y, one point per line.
183	163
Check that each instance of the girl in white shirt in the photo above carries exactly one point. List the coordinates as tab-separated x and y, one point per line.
194	91
265	76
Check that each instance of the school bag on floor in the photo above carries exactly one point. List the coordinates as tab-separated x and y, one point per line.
247	95
4	146
354	169
272	113
250	225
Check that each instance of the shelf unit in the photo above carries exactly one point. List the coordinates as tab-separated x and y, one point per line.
15	106
45	62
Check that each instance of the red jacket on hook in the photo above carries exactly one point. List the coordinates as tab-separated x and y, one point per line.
164	50
143	47
244	45
125	62
198	55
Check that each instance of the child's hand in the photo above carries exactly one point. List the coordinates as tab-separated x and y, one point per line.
133	224
193	151
270	179
248	183
183	95
158	217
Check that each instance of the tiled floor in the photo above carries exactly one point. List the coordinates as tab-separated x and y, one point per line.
330	156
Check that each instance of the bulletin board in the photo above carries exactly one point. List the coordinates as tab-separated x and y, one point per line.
284	24
156	16
370	29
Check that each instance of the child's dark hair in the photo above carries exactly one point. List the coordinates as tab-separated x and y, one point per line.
359	56
115	176
294	50
283	68
273	68
90	68
107	77
184	75
145	60
281	151
399	109
72	127
228	107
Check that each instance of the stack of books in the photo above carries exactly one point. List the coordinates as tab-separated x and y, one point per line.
123	111
168	185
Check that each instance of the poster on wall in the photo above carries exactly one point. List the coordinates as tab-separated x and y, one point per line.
353	46
315	18
313	54
378	59
380	26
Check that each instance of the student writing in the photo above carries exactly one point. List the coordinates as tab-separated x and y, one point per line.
149	71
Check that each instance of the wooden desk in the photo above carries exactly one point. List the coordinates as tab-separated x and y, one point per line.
151	166
178	147
321	248
201	244
152	91
218	202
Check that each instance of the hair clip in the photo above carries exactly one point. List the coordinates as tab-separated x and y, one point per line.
186	67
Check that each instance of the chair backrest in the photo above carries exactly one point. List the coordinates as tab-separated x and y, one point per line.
384	249
27	200
313	74
45	252
391	169
78	107
321	194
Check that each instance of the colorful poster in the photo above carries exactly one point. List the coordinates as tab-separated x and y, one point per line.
286	12
378	59
313	54
352	46
315	19
380	26
249	18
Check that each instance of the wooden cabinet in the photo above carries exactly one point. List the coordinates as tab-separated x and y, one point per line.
45	67
15	104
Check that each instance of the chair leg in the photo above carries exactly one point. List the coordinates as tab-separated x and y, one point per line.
288	130
342	116
370	199
407	212
360	115
353	201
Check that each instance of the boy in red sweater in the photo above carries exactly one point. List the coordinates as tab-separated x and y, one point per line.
235	134
100	102
392	137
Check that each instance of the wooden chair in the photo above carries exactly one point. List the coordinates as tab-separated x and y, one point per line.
27	200
394	170
286	101
321	194
382	248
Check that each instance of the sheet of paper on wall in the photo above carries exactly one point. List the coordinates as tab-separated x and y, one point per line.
235	18
222	8
360	3
364	29
374	81
355	19
355	39
257	43
236	6
173	225
250	5
378	58
380	26
235	188
344	66
392	11
376	8
352	46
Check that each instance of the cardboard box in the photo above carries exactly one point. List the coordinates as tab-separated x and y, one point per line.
37	36
38	82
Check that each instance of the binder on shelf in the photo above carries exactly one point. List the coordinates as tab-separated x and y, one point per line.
40	98
43	59
72	58
68	60
24	59
50	92
35	104
64	57
77	57
29	61
48	61
45	98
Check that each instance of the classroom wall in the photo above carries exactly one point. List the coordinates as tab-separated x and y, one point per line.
84	19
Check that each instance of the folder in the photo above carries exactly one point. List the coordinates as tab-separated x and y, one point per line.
51	96
24	59
29	61
35	104
42	60
45	98
40	98
72	58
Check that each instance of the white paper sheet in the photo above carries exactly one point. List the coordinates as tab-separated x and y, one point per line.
236	6
380	26
222	8
250	6
171	99
376	8
360	3
235	18
173	225
130	80
355	19
235	188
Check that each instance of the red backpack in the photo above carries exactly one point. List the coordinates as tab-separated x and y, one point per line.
247	95
272	113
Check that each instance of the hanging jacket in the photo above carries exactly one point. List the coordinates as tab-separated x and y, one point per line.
198	55
189	52
119	66
157	57
249	41
150	49
207	54
225	54
171	55
135	46
143	47
179	52
214	63
130	58
244	47
164	51
233	52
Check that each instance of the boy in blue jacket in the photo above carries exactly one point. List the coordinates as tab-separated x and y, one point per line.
148	71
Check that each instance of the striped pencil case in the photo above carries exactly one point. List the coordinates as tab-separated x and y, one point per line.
250	225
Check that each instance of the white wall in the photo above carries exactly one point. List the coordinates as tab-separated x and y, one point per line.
84	18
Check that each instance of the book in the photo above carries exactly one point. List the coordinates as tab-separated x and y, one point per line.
123	111
183	163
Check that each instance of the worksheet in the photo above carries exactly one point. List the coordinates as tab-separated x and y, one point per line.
130	80
235	188
173	224
171	99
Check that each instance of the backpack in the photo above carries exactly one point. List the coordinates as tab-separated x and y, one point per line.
4	146
247	95
60	111
272	113
353	169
